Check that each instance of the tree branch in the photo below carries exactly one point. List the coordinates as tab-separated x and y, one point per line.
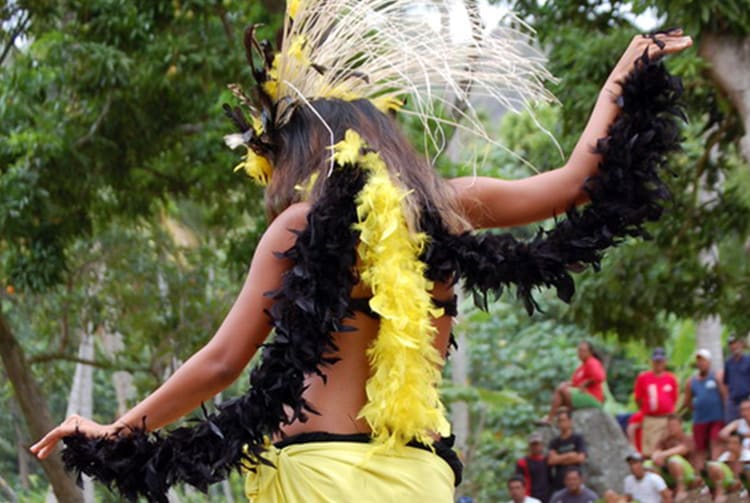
35	410
222	13
8	490
176	184
14	34
109	365
97	123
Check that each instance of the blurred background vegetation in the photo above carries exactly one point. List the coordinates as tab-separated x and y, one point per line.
123	229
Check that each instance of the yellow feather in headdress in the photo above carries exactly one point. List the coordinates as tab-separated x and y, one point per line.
256	167
388	103
299	50
292	8
403	401
271	86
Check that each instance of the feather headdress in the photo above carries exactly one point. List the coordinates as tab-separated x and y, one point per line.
389	52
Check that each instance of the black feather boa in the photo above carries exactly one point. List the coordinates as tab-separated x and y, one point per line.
626	193
314	297
308	308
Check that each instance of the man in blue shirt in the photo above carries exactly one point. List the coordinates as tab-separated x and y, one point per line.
736	376
706	396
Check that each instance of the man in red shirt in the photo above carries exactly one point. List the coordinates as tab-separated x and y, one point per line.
656	393
533	468
585	388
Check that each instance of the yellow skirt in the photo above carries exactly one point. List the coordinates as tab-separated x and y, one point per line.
345	472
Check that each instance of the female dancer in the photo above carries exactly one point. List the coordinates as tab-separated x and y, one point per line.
356	271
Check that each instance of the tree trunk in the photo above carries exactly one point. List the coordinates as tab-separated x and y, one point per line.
460	378
729	56
21	443
35	411
708	336
81	401
273	6
5	489
122	380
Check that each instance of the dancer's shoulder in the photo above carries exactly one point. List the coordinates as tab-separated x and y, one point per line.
293	218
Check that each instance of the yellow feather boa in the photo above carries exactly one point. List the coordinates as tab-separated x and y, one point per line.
402	391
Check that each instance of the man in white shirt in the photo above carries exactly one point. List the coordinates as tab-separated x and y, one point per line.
741	425
644	486
517	490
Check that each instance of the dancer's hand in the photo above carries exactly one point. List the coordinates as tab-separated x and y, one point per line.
73	424
657	45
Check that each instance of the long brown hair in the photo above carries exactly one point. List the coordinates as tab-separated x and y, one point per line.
304	149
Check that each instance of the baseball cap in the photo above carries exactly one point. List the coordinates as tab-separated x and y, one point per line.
703	353
659	354
535	437
634	456
733	337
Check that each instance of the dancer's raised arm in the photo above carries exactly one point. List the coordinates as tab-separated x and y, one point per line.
217	364
490	202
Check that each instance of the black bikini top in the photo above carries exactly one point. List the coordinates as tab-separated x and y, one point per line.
362	304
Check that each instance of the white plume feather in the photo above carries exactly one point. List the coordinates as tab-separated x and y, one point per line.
394	49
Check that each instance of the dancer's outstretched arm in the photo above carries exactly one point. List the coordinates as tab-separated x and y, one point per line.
490	202
220	361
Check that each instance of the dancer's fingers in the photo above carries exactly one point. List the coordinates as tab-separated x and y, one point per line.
46	445
667	42
672	45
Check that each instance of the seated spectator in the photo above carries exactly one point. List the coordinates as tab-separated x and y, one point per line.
585	389
644	486
574	491
727	470
741	425
534	470
517	491
568	450
671	456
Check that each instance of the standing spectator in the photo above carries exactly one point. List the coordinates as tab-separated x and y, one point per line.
671	456
518	491
656	393
644	486
736	376
740	425
568	450
574	490
585	389
726	471
534	470
705	395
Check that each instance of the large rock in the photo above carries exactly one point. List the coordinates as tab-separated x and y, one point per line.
606	446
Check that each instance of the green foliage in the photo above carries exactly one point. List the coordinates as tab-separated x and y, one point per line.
112	106
119	210
696	16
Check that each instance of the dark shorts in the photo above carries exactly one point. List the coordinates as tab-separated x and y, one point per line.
705	432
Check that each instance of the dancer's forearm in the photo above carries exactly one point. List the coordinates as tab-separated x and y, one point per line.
196	381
